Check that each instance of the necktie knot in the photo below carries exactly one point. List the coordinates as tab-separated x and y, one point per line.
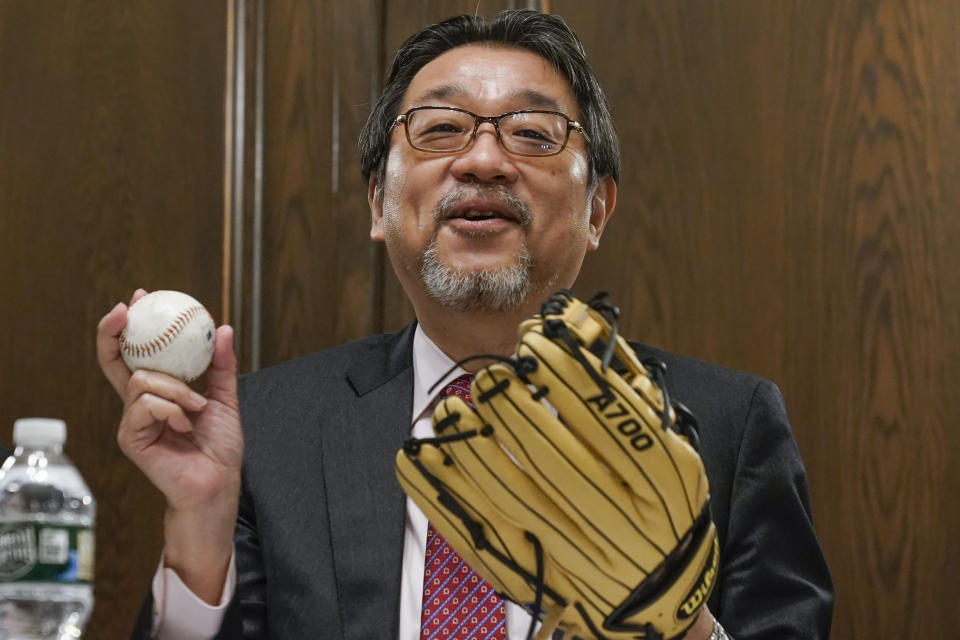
459	387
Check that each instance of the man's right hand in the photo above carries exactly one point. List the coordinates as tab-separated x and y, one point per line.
189	446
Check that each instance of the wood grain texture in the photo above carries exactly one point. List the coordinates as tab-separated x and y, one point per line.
317	257
788	207
110	157
890	312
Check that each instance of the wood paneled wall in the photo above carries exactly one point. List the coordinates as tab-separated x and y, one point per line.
111	160
788	207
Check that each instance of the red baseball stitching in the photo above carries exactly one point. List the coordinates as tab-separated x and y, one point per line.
140	350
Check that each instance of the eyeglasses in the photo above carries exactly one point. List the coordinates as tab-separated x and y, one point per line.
524	133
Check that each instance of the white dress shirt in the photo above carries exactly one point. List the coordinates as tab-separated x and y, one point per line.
180	615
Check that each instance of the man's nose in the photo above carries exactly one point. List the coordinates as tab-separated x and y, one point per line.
485	160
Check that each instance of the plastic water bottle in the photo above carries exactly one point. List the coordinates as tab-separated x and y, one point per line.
46	537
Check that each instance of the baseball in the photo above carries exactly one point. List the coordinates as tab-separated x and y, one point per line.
170	332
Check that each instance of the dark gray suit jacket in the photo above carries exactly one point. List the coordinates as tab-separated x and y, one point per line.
320	534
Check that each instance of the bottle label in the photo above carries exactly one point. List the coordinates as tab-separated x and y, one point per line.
35	552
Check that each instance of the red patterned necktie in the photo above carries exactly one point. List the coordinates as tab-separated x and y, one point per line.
457	603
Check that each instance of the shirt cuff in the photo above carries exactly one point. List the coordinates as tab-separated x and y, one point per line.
178	614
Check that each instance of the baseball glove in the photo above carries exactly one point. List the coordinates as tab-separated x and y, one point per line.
574	487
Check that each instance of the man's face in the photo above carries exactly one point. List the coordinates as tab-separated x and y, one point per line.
482	229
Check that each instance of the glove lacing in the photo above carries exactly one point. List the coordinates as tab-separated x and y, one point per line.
555	328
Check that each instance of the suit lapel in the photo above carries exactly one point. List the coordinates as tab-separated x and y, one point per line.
366	504
367	508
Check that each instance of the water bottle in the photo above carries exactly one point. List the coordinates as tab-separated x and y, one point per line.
46	537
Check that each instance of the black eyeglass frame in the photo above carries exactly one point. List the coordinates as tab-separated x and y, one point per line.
572	125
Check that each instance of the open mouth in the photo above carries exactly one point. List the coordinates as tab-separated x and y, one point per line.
486	208
473	214
480	222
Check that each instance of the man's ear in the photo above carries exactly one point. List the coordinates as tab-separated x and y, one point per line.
375	200
602	203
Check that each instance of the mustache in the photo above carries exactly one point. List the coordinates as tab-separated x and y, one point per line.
495	193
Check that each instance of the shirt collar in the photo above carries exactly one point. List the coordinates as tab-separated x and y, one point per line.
429	366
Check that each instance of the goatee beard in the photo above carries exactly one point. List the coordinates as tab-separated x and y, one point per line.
492	290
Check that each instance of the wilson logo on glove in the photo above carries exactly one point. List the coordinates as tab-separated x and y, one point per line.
696	598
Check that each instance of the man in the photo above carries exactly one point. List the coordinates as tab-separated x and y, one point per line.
293	526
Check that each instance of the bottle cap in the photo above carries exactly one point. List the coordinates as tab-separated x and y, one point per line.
39	432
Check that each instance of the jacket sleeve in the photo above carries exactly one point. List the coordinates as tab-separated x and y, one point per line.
776	584
245	616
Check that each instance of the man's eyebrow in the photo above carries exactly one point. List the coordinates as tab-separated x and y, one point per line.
442	92
538	100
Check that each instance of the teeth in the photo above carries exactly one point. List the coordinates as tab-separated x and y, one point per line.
472	215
